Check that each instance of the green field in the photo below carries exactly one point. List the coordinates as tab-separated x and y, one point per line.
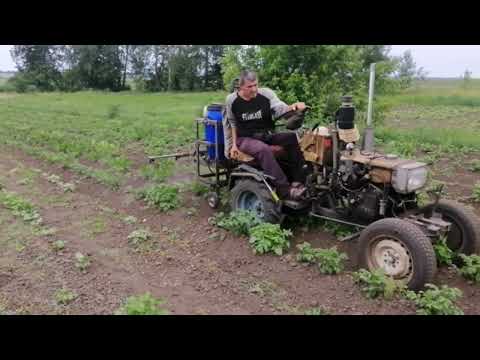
81	128
438	113
94	133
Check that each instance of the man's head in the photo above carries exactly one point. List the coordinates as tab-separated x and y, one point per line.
248	84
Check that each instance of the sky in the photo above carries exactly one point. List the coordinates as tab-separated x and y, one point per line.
437	60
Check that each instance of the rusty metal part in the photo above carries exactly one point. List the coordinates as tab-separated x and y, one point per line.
375	159
381	176
432	227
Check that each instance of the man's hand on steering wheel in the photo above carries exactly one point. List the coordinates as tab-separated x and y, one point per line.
299	106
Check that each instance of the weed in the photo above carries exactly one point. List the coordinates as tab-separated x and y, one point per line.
336	229
138	237
163	197
83	262
375	283
316	311
144	304
239	222
64	296
102	176
68	187
262	288
46	231
54	179
97	226
475	166
476	192
130	220
436	301
25	181
20	207
191	211
113	111
470	269
158	173
267	237
58	245
199	189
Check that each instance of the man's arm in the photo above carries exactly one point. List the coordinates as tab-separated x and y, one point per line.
277	106
234	149
232	121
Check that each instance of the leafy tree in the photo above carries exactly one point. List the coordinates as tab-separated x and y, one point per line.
38	66
406	70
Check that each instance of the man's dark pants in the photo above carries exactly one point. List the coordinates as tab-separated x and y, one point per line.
258	147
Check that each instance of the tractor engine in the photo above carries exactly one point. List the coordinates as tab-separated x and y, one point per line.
363	185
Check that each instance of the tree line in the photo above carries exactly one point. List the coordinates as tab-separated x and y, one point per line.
107	67
317	74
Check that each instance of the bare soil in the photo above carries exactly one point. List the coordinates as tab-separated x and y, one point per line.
196	267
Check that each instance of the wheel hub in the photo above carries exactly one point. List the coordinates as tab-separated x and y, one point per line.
249	201
393	258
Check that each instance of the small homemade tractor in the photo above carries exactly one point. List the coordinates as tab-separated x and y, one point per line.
349	184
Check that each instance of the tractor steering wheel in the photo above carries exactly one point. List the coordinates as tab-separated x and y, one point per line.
291	112
293	119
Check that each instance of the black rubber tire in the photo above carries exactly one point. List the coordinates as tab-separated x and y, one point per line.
213	200
467	226
412	238
271	213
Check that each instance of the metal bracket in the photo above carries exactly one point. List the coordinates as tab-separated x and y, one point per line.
433	227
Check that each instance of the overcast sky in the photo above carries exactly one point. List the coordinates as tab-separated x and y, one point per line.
437	60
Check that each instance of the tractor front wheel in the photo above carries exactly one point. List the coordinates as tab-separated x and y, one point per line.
401	250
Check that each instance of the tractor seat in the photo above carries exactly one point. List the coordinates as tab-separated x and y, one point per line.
278	152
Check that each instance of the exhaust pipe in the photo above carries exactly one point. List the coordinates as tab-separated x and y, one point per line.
368	137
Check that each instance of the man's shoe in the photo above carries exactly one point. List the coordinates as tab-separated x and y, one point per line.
296	193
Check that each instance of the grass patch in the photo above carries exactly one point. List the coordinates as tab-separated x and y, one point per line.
65	296
20	207
316	311
58	245
476	192
139	238
475	166
329	261
159	171
144	304
82	262
102	126
162	197
130	220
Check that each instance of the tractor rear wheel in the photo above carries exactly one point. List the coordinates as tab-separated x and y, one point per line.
464	235
254	196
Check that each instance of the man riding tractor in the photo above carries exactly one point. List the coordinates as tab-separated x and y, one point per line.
250	114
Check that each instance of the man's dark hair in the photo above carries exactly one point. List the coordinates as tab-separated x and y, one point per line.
247	75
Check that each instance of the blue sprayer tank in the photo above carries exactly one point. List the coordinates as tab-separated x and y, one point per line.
215	113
